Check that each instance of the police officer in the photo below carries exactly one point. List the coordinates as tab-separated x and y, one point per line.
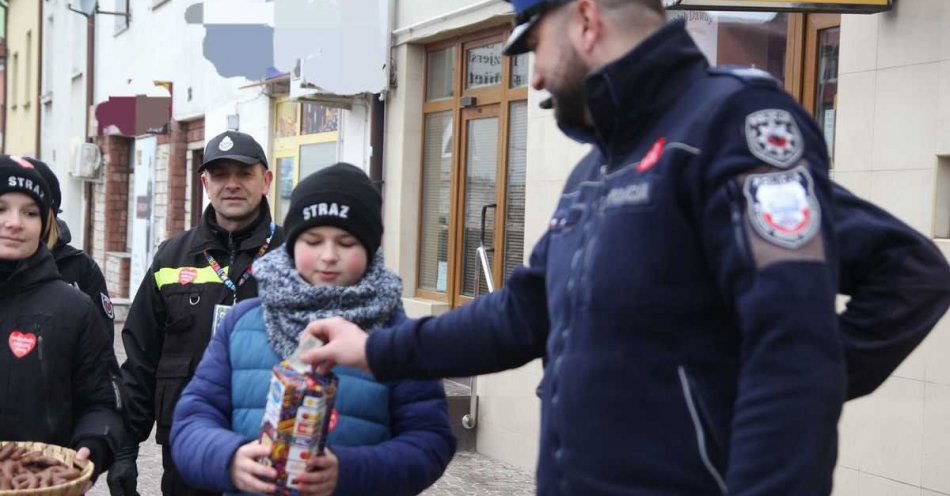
56	386
195	277
684	291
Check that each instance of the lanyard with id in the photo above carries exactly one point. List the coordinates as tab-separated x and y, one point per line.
221	310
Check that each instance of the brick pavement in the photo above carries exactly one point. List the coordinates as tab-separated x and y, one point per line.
469	474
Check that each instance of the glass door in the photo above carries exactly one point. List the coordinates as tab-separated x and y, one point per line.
479	168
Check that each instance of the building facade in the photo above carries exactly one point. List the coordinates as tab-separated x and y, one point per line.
893	148
149	188
64	105
21	133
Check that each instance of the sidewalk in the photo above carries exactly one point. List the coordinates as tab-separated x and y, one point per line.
469	474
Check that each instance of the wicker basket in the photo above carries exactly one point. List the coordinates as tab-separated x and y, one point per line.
65	455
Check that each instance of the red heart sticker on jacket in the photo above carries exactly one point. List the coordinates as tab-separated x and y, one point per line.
187	275
652	156
22	343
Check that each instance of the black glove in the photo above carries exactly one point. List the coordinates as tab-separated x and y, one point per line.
123	474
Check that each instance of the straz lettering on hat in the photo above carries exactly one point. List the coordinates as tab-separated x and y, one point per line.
186	275
107	306
782	207
325	209
226	144
27	184
773	137
22	343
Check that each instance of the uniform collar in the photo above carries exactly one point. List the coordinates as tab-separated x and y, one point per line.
627	95
211	236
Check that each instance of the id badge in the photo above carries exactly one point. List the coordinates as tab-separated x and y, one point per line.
219	312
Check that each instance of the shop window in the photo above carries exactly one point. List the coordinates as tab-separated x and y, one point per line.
799	50
819	94
473	166
306	139
440	74
483	65
519	71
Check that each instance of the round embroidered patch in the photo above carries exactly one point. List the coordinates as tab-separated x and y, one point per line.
226	144
782	207
773	137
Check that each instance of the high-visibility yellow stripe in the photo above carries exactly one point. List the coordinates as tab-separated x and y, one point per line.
173	275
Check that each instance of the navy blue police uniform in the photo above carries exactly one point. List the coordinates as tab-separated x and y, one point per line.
684	293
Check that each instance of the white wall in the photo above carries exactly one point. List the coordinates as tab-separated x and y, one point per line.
893	125
63	106
159	46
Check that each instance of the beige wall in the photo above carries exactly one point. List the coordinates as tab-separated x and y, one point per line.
22	112
893	127
509	411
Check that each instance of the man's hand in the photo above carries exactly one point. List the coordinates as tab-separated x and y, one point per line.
321	476
345	345
123	474
249	475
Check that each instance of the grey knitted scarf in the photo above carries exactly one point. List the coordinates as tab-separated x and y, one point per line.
290	302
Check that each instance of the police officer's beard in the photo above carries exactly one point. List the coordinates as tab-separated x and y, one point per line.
570	100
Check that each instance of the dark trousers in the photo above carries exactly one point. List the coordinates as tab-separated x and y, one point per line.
172	483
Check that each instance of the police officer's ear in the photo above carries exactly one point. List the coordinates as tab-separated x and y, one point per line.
587	26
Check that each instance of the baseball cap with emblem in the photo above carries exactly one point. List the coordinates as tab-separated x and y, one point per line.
527	14
232	145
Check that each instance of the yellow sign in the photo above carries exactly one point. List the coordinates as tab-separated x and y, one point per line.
842	6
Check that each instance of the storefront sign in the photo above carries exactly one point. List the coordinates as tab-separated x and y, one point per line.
843	6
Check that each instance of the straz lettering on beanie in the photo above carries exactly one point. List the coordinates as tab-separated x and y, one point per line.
326	209
25	183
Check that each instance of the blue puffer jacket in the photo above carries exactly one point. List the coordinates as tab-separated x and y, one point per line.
391	438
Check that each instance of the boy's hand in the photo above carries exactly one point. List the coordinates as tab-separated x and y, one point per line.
249	475
345	345
321	476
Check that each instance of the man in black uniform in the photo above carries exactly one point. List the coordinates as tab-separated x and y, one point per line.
194	278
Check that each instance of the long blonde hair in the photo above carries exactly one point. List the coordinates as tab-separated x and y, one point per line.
51	237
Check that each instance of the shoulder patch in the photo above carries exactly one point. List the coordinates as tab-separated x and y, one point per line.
782	207
107	306
773	137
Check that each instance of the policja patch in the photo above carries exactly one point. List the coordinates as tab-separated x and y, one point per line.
773	137
782	207
107	306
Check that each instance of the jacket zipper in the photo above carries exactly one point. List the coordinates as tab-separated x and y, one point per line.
736	215
700	434
44	372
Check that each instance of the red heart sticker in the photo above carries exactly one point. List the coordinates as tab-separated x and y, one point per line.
652	156
22	343
187	275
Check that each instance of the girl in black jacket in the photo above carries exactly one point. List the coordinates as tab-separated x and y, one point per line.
54	382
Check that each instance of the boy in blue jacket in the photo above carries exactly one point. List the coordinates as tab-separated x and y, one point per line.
386	438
